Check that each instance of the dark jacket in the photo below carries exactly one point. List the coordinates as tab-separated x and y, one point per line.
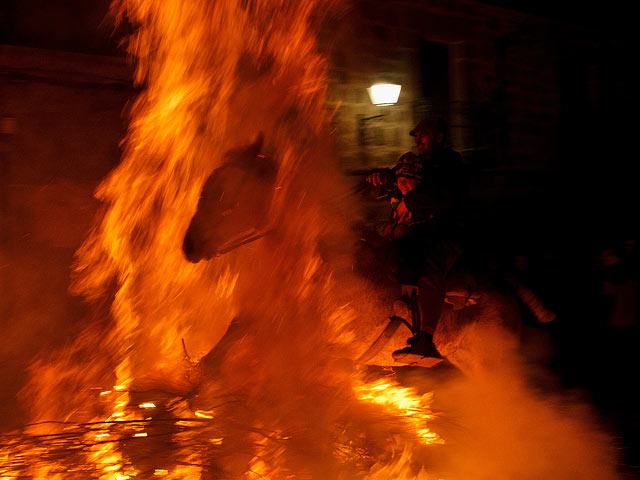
439	202
438	208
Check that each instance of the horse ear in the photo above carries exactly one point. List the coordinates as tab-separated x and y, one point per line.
242	154
257	143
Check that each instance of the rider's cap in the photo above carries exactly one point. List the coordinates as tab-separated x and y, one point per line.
434	125
409	166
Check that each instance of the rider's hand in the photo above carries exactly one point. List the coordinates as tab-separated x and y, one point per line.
375	179
403	215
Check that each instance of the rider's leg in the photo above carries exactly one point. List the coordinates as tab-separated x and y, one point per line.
431	284
431	288
431	297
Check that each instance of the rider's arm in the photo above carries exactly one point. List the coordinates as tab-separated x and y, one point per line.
381	177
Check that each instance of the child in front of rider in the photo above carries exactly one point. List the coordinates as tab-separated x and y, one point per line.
408	173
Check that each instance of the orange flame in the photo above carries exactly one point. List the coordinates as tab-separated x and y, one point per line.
403	402
215	74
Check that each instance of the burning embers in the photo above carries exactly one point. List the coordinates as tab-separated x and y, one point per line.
170	438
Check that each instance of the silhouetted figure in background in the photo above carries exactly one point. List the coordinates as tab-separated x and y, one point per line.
616	341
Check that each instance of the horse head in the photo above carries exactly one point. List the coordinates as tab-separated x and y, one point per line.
235	199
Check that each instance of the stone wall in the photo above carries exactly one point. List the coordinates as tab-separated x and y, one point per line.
503	98
61	124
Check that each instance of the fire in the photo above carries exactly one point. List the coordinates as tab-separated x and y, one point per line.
403	402
129	398
142	392
96	449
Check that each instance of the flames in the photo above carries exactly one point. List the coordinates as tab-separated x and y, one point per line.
137	442
134	394
152	386
403	402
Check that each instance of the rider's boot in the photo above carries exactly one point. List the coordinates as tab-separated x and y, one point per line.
420	352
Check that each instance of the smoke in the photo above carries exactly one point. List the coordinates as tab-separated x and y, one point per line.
498	425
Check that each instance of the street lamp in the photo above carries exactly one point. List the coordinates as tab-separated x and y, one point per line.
382	94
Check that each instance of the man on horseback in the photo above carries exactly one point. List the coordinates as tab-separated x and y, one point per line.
425	236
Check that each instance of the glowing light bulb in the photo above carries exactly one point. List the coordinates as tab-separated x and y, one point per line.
384	93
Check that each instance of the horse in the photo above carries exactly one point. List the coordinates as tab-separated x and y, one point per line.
480	324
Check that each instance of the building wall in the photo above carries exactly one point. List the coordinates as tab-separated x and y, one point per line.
503	103
61	124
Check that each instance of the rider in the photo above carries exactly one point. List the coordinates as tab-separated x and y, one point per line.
425	236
